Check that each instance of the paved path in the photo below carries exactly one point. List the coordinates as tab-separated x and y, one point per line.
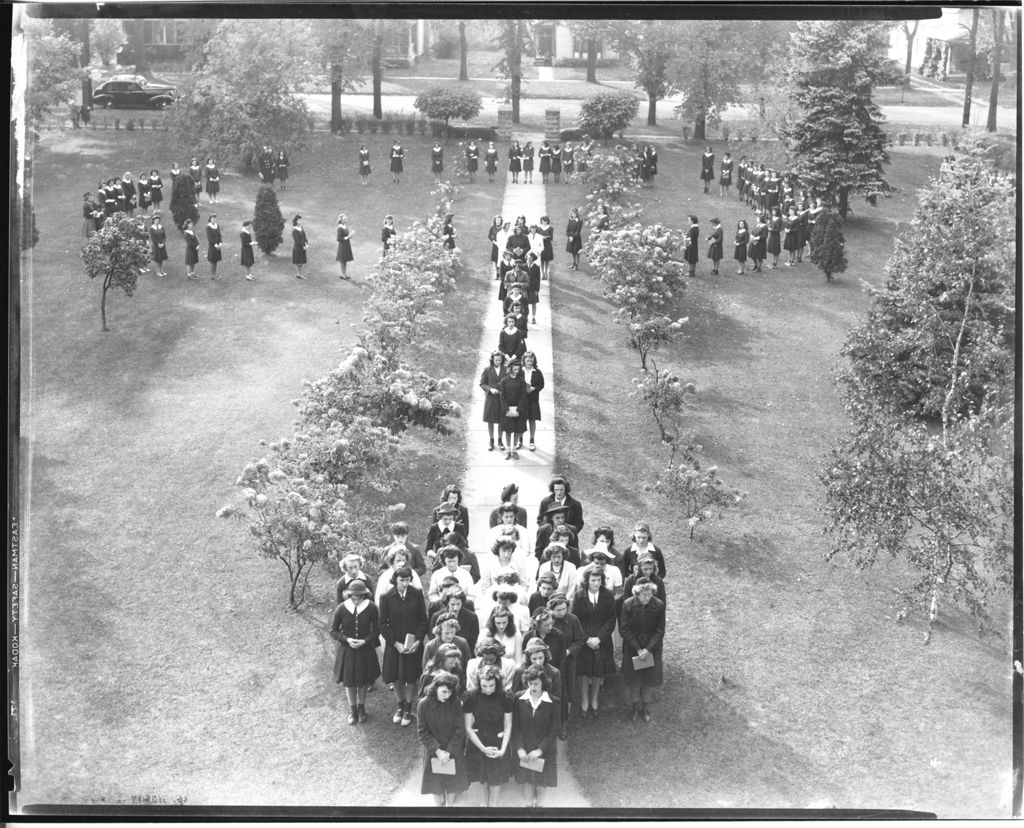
487	472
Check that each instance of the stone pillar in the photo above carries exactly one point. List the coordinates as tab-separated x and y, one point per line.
505	123
552	124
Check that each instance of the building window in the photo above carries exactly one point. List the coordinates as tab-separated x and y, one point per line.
162	32
579	48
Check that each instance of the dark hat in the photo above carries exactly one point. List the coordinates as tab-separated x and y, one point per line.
556	598
547	578
357	587
446	509
508	491
517	362
556	509
536	645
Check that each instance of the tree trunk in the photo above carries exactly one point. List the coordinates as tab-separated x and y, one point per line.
591	60
335	98
700	126
515	63
993	98
973	44
103	303
84	58
844	202
910	33
463	52
517	83
652	110
138	40
378	74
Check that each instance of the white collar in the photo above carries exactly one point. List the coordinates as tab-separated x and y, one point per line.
353	608
544	697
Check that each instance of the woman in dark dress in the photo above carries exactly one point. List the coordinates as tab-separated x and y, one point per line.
437	161
533	282
568	161
511	341
556	161
472	160
491	161
536	722
403	613
175	174
490	382
707	168
547	255
646	567
574	237
344	254
213	243
488	712
803	211
212	175
643	629
536	653
515	161
574	640
158	240
364	163
281	168
191	248
642	543
246	257
528	153
812	219
792	241
109	198
196	173
725	176
715	245
131	199
594	606
514	404
441	727
300	243
758	239
356	629
544	156
773	246
691	255
387	233
397	161
156	189
740	246
448	232
120	205
88	216
492	236
534	385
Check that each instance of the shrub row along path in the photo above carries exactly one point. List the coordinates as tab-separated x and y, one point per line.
487	472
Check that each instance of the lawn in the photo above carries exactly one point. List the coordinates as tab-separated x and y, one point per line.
159	657
788	683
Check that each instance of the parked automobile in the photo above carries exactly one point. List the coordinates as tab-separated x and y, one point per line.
129	91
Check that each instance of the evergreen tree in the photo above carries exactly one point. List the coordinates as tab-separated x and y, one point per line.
828	245
837	144
926	60
268	223
183	201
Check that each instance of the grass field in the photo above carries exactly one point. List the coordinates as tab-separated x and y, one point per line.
787	681
159	657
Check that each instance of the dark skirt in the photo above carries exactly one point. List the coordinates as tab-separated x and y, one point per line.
515	425
472	164
492	408
480	768
282	173
533	409
191	255
527	163
356	668
548	253
298	254
773	243
691	254
651	677
439	783
247	257
574	244
156	196
213	254
726	180
436	166
792	242
159	254
212	188
740	254
396	165
491	163
547	778
515	165
596	663
545	164
344	251
404	667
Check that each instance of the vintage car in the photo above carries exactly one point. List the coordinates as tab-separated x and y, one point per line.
130	91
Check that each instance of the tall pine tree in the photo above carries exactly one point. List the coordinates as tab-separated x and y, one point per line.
838	145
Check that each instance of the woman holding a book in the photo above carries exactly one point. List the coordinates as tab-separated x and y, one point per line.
536	721
642	624
441	727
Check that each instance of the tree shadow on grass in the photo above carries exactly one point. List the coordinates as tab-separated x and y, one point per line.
711	335
753	558
697	752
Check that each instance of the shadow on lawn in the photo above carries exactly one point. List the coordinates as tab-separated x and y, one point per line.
717	756
751	558
712	335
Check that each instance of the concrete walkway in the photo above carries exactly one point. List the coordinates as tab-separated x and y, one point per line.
487	472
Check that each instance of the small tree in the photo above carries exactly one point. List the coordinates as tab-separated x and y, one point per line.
446	102
268	223
828	245
605	114
53	73
117	253
183	201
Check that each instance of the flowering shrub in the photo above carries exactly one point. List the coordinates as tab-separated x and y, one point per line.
611	175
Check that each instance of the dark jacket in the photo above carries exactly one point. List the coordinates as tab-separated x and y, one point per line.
573	518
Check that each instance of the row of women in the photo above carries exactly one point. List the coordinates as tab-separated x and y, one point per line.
483	714
272	165
769	233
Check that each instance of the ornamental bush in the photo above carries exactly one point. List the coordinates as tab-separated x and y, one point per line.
268	223
828	247
183	201
447	102
607	113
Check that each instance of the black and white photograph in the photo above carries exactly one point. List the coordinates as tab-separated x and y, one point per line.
705	510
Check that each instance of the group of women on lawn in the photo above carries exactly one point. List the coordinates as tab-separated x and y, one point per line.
784	216
489	651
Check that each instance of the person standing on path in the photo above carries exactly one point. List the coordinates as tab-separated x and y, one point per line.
191	249
397	156
403	626
212	180
441	728
715	245
356	627
247	258
344	255
488	712
514	404
707	168
536	722
491	161
300	243
364	163
534	385
437	161
213	243
528	153
281	168
643	629
490	382
472	160
574	238
158	240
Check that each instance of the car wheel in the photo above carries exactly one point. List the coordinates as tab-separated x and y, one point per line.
108	104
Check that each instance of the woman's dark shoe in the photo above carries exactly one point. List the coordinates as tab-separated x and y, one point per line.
361	713
491	446
645	715
353	717
635	715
